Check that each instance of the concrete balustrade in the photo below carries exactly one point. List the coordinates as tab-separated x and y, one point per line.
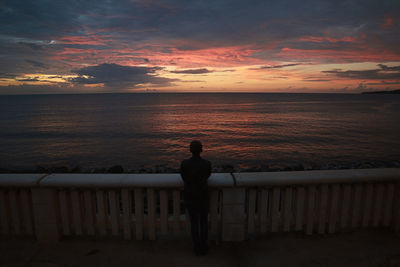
149	206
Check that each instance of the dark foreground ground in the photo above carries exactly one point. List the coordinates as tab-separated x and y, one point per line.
372	248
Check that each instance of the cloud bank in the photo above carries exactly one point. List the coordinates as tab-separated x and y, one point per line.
192	71
117	76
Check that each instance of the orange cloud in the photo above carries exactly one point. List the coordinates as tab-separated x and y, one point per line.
360	55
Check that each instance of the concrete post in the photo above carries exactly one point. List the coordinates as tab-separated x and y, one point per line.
233	216
396	210
45	215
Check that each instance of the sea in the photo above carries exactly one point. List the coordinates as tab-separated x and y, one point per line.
151	132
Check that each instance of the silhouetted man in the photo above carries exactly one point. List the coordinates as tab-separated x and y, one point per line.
195	172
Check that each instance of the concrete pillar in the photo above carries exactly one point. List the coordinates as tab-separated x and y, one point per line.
233	216
396	210
45	215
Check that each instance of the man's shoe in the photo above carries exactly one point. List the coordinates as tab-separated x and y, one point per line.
197	250
204	249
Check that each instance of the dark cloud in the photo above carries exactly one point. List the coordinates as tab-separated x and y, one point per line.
383	73
40	89
192	71
28	79
32	46
384	83
276	66
36	64
386	68
120	77
199	24
7	75
317	80
361	87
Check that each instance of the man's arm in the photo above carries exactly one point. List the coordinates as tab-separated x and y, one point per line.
209	169
182	171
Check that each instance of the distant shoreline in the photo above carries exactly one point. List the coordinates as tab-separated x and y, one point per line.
187	92
383	92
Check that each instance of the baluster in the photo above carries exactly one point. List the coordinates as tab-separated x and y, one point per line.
310	210
176	210
333	217
287	210
139	213
300	208
323	207
101	213
26	211
76	212
126	209
276	192
151	213
114	211
164	212
89	208
251	212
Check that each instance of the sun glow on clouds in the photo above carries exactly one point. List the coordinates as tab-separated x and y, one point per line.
37	79
198	46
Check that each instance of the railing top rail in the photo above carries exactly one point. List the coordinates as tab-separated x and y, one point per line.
216	179
20	179
128	180
316	177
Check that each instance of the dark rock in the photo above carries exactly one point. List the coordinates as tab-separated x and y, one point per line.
227	168
5	170
142	170
298	167
275	168
264	167
307	167
116	169
253	169
99	170
41	169
59	169
76	169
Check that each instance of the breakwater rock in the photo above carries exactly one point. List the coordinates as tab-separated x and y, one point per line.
217	168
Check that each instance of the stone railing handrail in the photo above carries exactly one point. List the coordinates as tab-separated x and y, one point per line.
20	179
108	180
316	177
216	180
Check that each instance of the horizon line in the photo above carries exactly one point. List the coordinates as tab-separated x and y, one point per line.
171	92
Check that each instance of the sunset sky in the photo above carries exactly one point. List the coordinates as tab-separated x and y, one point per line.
199	46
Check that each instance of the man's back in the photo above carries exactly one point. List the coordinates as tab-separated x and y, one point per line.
195	172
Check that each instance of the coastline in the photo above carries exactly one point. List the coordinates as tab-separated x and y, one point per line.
223	168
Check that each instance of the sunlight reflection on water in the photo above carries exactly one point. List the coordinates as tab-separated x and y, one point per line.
148	129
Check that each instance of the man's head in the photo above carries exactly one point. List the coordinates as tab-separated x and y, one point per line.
196	147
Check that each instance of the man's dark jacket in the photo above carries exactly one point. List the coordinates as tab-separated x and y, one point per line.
195	173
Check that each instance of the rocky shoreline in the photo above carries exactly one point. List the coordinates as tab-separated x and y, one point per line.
223	168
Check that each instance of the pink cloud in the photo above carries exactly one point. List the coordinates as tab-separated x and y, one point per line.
389	23
83	40
320	39
155	55
360	55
